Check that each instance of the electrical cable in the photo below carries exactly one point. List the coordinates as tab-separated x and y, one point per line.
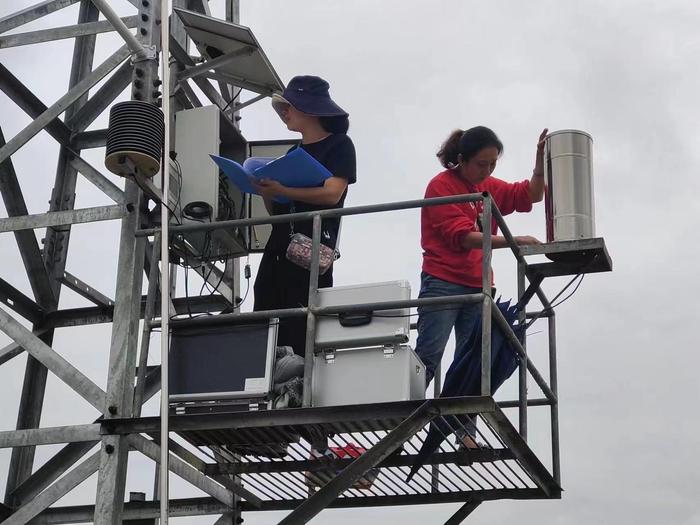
246	273
245	295
179	185
221	278
147	191
233	98
187	294
138	179
206	278
572	293
552	305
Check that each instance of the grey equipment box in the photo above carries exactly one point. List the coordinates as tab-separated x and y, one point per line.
378	328
367	375
222	363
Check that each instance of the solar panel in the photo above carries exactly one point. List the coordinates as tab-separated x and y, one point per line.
250	69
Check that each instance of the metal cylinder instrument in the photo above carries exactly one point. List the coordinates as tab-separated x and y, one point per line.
569	194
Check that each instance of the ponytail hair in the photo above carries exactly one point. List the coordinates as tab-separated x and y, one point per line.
339	124
467	143
449	150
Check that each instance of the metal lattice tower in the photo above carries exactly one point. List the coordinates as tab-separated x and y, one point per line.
66	121
505	468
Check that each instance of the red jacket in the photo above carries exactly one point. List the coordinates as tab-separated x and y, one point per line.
443	227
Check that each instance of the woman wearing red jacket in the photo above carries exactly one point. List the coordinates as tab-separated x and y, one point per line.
451	234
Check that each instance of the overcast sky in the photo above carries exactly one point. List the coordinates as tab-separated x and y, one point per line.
408	73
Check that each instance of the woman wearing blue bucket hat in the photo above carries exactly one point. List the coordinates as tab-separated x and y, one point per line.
305	107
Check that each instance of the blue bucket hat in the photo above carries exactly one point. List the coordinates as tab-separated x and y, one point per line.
308	94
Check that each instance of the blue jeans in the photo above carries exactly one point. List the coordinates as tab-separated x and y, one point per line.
435	323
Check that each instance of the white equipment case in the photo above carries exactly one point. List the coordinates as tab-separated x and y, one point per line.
367	375
377	328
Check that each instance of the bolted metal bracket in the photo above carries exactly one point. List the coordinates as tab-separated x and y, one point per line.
148	53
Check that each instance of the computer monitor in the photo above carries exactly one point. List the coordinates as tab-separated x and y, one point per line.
222	362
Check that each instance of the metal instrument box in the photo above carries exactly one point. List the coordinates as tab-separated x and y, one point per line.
199	133
380	327
367	375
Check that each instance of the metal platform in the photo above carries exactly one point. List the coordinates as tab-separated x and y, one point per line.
569	258
270	452
238	477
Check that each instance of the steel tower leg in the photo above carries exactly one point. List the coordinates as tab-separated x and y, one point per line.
56	248
123	349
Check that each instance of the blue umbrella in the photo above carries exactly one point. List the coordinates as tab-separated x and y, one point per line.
463	378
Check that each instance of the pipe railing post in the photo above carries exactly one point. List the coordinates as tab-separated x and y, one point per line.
435	469
486	305
522	368
554	410
311	316
165	271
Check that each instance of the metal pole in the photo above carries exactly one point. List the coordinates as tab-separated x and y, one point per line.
486	306
309	215
165	266
233	278
120	27
310	316
553	381
435	469
522	377
215	62
224	319
124	346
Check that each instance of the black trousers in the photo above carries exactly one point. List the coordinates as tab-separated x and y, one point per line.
282	284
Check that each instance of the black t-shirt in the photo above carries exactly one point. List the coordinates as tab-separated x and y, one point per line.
337	153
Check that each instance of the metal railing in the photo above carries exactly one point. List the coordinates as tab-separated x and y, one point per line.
490	311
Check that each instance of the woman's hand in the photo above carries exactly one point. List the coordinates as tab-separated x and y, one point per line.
269	188
537	179
539	157
526	240
327	195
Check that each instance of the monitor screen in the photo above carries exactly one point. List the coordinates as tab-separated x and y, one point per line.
222	362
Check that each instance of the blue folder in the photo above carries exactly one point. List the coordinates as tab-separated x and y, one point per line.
297	169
